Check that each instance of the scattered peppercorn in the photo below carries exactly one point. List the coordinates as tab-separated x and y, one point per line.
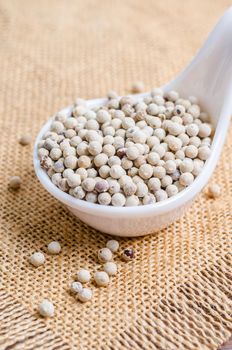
54	248
128	254
15	182
110	268
83	276
113	245
105	255
76	287
138	86
85	295
46	308
37	259
101	278
25	140
214	191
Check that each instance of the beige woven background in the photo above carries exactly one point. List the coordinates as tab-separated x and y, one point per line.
177	293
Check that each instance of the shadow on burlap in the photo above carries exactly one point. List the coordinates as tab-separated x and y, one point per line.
177	293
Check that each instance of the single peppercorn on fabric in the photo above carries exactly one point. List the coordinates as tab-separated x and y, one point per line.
176	293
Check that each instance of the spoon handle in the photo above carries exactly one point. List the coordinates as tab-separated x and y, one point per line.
209	74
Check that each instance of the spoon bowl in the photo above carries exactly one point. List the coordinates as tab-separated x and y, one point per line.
209	78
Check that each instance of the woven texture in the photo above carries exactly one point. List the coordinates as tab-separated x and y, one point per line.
177	293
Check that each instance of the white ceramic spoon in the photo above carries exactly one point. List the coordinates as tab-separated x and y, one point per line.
209	78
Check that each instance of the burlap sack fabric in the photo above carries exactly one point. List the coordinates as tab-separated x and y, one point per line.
177	293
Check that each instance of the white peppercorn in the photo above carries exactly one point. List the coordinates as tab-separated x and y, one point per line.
109	130
63	185
192	129
166	181
204	152
142	190
56	178
152	109
100	159
58	166
42	152
117	171
15	182
103	116
61	116
186	179
175	129
73	180
78	192
104	255
118	200
159	149
194	110
86	173
110	268
206	141
101	278
140	161
85	295
114	160
204	117
80	108
154	184
104	198
92	124
25	140
95	148
91	197
88	184
186	165
138	86
171	190
128	122
172	95
214	191
76	287
132	201
159	172
46	308
54	247
37	259
83	276
113	245
70	162
141	148
70	133
184	139
204	130
191	151
170	166
55	153
129	188
126	163
104	171
161	195
109	150
82	132
68	151
146	171
195	141
149	199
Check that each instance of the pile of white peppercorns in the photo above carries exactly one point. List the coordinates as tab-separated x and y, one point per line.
101	277
129	151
